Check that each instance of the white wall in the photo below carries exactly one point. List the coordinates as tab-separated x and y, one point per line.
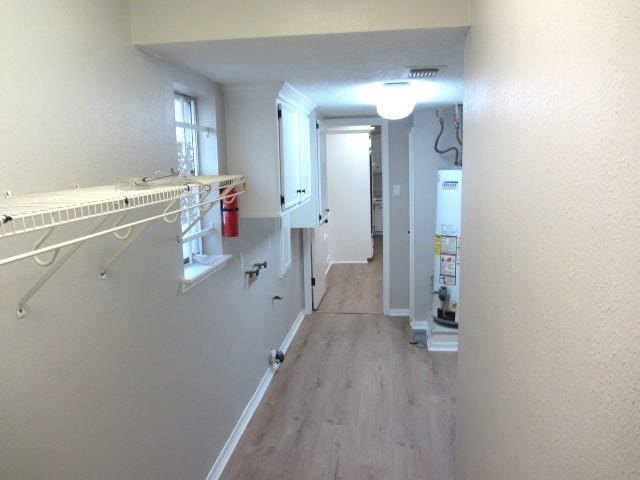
426	163
399	213
168	21
549	362
349	197
120	378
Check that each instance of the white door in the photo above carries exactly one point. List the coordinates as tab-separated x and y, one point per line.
289	156
319	262
320	236
305	157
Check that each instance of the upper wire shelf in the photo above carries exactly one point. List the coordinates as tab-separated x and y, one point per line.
32	212
28	213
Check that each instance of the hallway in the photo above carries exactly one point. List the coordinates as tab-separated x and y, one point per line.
355	287
354	399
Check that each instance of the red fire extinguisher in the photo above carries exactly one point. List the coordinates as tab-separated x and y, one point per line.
229	206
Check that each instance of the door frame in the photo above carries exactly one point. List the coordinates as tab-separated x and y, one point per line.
386	201
412	238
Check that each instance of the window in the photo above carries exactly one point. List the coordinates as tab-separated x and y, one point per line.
197	154
188	164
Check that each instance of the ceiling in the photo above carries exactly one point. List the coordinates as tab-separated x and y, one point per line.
339	73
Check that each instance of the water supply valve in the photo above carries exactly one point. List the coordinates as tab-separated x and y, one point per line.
276	357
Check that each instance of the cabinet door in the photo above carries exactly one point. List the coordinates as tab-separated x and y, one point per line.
305	157
289	156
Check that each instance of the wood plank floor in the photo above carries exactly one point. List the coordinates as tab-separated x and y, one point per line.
354	400
355	287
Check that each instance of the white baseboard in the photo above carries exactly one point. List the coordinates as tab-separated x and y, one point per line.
348	261
416	325
441	346
326	272
252	406
398	312
286	343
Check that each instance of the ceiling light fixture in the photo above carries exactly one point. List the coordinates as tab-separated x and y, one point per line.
395	100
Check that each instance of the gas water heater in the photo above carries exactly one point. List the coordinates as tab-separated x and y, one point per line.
446	269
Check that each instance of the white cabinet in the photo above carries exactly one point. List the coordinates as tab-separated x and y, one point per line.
290	162
313	210
295	155
269	137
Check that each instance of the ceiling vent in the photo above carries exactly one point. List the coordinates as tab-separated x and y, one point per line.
423	72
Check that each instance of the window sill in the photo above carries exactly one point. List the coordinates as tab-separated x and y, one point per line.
197	272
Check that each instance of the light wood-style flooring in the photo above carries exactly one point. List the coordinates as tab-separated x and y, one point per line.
354	400
355	287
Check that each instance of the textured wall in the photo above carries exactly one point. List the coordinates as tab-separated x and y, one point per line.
122	378
549	363
399	212
426	164
168	21
350	202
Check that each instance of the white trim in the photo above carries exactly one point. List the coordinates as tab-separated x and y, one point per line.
232	442
286	343
412	233
294	98
326	272
307	266
336	123
346	131
201	272
398	312
335	262
441	346
286	248
415	325
386	221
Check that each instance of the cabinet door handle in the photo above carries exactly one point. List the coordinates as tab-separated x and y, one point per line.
298	191
303	191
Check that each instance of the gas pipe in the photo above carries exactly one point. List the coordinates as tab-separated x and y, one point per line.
230	210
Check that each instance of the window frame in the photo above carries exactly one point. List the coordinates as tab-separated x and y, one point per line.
194	246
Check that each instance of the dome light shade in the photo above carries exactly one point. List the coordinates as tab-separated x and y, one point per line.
395	101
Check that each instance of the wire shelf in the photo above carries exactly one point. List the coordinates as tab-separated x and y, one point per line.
44	211
32	212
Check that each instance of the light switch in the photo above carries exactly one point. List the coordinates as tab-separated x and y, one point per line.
396	190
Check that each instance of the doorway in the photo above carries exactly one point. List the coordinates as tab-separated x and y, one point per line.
349	249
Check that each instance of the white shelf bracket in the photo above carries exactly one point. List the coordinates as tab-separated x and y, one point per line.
203	211
202	233
130	239
167	217
38	244
117	234
21	311
45	212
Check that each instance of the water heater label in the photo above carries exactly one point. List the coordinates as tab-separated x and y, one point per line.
450	185
449	229
448	246
437	245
